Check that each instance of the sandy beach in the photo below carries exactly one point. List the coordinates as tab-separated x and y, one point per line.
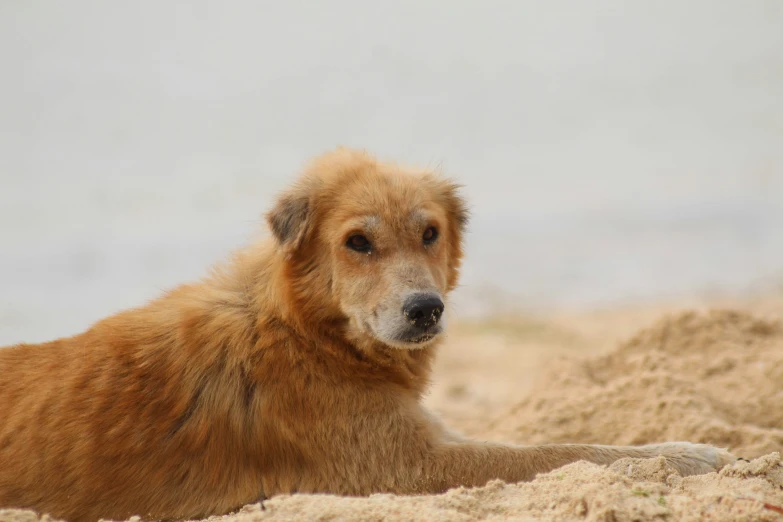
701	371
614	155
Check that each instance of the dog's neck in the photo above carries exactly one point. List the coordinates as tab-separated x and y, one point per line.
277	293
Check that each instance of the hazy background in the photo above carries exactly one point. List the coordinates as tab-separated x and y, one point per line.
612	151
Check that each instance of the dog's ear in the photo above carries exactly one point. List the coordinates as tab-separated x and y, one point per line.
458	216
458	207
290	219
455	205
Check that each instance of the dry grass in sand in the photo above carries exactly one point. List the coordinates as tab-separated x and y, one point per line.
701	376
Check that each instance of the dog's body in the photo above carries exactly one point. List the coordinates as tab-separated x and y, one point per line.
298	367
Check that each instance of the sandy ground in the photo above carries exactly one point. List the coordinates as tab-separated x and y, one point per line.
703	372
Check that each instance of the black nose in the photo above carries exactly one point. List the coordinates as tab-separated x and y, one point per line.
423	310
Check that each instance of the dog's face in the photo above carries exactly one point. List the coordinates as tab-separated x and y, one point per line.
377	243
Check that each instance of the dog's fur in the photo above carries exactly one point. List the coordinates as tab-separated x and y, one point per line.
287	370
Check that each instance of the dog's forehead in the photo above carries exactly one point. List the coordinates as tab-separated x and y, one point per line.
393	198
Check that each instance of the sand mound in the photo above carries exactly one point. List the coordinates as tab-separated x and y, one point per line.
714	378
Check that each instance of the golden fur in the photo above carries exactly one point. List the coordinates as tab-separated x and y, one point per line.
283	371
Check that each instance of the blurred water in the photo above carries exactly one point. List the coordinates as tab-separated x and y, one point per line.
611	150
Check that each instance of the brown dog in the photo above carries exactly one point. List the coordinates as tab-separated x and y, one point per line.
298	367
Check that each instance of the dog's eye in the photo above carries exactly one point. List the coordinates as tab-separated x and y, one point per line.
359	243
430	235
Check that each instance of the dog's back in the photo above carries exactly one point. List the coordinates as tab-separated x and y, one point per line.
120	420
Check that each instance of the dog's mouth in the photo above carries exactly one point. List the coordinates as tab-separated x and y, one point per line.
421	339
401	335
415	340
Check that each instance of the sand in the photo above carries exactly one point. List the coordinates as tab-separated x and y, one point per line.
715	378
702	376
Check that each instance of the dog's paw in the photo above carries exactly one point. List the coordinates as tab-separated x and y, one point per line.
693	459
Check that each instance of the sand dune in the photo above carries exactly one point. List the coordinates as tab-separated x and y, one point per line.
713	377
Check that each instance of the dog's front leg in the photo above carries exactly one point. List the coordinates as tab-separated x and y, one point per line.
474	464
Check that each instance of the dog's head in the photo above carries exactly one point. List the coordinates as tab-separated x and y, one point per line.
373	243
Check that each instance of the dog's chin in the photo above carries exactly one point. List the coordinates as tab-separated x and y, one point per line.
416	342
397	336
